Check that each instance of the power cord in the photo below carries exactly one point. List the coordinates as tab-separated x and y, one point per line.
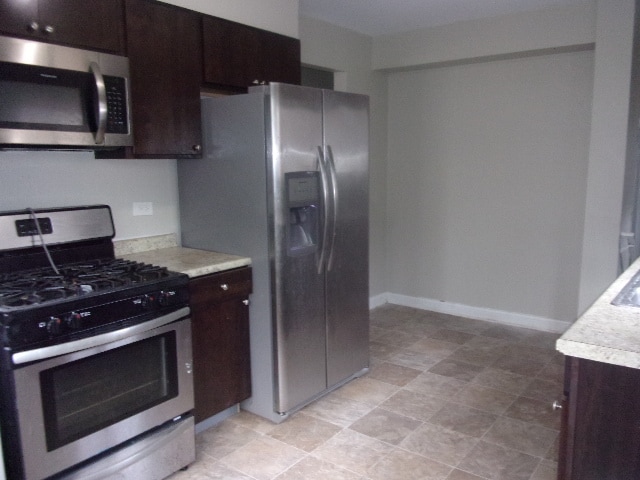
44	244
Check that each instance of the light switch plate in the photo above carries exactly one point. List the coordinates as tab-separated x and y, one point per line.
142	208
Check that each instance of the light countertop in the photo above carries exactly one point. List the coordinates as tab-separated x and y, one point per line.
163	251
605	332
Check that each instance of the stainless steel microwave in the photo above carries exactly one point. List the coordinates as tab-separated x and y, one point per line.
60	97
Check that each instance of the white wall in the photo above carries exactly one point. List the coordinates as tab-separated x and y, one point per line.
333	48
538	31
629	250
57	179
486	174
585	262
488	147
608	149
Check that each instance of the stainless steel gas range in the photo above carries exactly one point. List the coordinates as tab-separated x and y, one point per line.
95	370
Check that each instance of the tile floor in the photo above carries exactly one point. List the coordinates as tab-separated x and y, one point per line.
446	398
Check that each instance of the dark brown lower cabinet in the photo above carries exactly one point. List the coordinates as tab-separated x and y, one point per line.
600	433
220	326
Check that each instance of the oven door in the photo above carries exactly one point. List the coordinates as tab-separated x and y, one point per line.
77	405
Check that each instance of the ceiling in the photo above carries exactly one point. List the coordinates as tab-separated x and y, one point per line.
381	17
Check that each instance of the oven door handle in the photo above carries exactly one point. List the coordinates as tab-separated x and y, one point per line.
90	342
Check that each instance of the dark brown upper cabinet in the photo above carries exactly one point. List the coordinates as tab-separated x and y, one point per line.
237	56
90	24
164	45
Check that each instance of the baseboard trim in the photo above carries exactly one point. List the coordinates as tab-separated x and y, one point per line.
477	313
378	300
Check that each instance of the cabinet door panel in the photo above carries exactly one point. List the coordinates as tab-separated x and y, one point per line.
239	56
230	51
17	15
221	286
280	59
221	357
164	48
603	424
95	24
221	352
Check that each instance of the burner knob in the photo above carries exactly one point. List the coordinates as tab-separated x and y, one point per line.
54	326
148	301
74	320
163	299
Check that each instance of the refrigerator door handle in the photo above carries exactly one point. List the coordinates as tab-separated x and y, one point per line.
334	202
324	180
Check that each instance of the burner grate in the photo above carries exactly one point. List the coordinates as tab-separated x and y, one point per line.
32	287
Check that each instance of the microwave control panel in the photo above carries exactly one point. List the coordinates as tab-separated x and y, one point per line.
117	115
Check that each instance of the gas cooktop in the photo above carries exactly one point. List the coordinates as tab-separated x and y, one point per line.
42	285
60	280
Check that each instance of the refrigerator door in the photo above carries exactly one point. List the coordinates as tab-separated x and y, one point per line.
346	140
298	287
223	207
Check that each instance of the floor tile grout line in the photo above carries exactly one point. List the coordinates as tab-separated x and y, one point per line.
398	388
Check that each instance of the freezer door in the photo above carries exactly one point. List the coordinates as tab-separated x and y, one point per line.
346	140
299	312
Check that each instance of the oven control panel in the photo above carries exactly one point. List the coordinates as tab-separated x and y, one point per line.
57	324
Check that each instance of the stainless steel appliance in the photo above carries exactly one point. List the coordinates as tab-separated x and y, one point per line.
95	371
60	97
284	179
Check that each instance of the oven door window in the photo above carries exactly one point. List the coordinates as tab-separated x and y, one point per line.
87	395
40	98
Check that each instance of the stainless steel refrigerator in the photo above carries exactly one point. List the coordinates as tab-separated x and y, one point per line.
284	180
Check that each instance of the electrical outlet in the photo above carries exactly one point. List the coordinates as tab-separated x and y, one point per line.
142	208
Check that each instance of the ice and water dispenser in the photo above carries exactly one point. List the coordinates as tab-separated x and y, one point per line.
303	203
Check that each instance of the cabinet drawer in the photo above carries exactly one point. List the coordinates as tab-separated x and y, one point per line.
220	286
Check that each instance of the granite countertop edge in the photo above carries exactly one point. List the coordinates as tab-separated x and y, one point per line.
605	332
163	250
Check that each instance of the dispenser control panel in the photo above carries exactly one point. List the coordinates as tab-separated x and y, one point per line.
302	188
303	202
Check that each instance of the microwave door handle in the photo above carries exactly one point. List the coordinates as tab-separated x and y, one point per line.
102	102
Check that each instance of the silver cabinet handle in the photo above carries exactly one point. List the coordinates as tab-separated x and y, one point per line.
102	102
49	29
197	148
245	301
224	287
33	26
556	405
